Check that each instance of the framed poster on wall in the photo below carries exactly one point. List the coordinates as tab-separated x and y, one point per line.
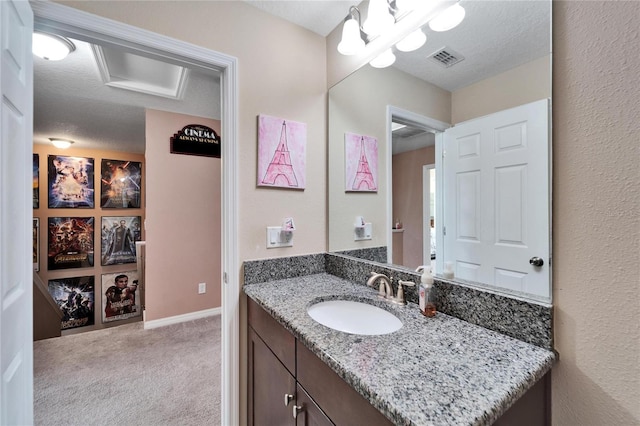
70	242
36	181
36	244
76	299
118	236
120	296
120	184
70	182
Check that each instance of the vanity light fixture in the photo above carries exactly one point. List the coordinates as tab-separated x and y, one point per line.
61	143
51	47
351	42
448	19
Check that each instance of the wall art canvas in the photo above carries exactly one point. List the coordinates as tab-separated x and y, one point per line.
282	152
36	244
361	163
76	299
120	184
118	236
120	296
36	181
70	182
70	242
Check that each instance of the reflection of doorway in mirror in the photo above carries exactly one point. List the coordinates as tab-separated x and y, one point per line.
429	215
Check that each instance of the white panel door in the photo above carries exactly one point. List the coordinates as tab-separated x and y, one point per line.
16	148
496	195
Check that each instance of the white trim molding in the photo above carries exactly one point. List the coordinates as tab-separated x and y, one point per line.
177	319
74	23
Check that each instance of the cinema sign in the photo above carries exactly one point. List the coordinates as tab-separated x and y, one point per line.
195	139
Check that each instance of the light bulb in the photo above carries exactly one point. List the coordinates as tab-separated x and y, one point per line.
351	41
383	60
412	41
378	19
448	18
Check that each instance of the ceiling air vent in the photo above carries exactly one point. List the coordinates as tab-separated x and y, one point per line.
446	57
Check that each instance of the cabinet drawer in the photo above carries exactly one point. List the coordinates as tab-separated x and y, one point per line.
279	340
340	402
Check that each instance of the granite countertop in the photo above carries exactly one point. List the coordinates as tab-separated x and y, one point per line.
440	370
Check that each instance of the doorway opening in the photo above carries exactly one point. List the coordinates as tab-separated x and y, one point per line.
73	23
413	143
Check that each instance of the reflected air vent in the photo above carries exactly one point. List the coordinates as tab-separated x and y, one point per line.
446	57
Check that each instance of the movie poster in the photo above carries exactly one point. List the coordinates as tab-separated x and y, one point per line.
120	184
36	244
75	297
70	242
70	182
36	181
120	296
118	237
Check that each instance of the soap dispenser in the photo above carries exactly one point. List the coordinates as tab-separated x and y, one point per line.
427	307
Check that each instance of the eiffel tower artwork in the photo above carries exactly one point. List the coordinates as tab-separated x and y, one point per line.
362	159
282	164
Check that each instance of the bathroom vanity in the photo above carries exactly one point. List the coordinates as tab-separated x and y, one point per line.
439	370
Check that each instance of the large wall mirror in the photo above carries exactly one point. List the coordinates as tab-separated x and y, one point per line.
496	60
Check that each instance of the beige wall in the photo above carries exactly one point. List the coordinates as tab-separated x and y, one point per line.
183	225
596	213
407	200
527	83
44	212
358	104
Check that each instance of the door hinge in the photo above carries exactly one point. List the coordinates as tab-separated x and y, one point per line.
444	230
225	278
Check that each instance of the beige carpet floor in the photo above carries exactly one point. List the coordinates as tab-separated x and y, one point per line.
130	376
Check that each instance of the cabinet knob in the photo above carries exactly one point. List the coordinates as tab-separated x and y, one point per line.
287	399
296	410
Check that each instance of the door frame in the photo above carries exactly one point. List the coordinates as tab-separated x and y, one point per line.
422	122
72	22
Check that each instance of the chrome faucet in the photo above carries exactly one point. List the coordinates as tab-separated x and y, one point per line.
384	290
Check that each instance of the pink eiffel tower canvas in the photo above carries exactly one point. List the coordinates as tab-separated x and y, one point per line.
281	152
361	154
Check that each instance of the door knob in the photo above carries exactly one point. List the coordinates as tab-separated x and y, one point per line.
536	261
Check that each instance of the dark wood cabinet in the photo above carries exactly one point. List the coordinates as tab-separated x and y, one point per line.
279	365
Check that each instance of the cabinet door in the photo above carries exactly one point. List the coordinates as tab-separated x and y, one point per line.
309	414
269	383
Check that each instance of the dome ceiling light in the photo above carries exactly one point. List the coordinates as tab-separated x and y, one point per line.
51	47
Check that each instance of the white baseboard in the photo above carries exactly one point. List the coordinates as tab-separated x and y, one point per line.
182	318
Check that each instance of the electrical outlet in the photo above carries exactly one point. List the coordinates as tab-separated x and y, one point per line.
202	288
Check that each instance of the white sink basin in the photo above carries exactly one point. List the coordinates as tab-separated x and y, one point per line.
354	317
